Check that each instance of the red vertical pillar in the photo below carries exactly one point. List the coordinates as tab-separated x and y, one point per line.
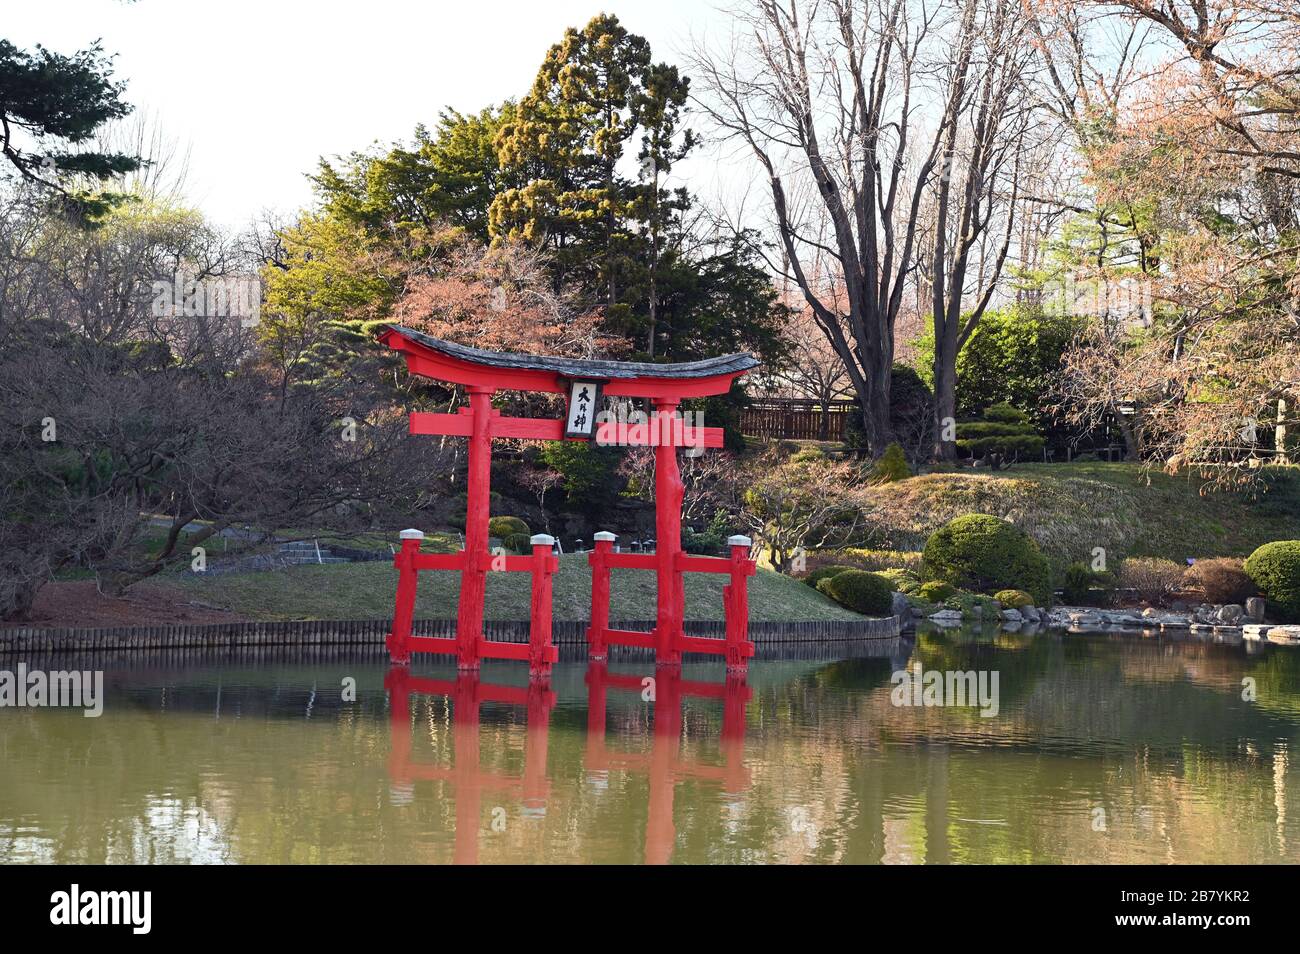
537	732
404	610
668	537
596	697
599	560
541	653
736	695
399	713
473	576
736	601
660	832
469	776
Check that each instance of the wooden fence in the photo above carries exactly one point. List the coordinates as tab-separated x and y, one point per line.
370	633
797	419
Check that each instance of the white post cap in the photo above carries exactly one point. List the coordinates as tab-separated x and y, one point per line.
412	534
739	540
604	536
542	538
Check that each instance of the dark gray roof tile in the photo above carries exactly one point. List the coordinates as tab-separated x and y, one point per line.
582	367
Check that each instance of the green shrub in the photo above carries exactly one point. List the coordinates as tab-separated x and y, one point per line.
712	540
1003	434
985	554
936	591
904	581
1076	585
826	572
867	593
1221	580
1275	569
518	542
503	527
1014	599
590	471
1013	354
892	466
1153	580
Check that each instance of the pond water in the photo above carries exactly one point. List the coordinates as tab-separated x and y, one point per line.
1103	749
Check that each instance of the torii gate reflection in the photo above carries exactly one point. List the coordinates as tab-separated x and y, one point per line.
663	764
466	694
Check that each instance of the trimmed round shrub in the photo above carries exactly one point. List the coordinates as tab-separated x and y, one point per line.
1275	569
867	593
1222	580
985	554
1014	599
518	543
503	527
936	591
1153	579
825	573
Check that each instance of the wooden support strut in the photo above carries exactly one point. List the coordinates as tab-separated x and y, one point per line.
736	646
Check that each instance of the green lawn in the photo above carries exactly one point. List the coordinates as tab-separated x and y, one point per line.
366	590
1072	508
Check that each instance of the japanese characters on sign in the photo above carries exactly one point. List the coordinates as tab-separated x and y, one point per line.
584	404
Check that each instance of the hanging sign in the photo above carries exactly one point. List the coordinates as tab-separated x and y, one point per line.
584	402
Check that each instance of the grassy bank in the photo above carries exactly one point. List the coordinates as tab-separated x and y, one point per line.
1072	508
366	590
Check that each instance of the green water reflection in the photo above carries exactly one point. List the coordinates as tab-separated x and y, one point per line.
1105	749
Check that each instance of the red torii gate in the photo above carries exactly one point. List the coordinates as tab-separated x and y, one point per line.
483	373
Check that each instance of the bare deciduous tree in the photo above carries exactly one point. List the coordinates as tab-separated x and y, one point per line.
829	96
988	131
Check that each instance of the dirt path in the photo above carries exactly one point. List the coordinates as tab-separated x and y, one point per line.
77	603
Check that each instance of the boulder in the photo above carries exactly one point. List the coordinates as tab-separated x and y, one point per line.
1012	616
901	607
951	615
1229	614
1255	608
1030	613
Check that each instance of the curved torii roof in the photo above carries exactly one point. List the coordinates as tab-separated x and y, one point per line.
504	370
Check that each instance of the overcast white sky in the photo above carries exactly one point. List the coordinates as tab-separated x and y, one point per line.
259	89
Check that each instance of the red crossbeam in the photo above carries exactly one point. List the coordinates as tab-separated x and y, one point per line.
543	429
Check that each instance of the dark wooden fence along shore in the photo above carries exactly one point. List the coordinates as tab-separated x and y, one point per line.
370	632
796	419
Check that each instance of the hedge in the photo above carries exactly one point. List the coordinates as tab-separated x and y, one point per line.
867	593
984	554
1275	569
